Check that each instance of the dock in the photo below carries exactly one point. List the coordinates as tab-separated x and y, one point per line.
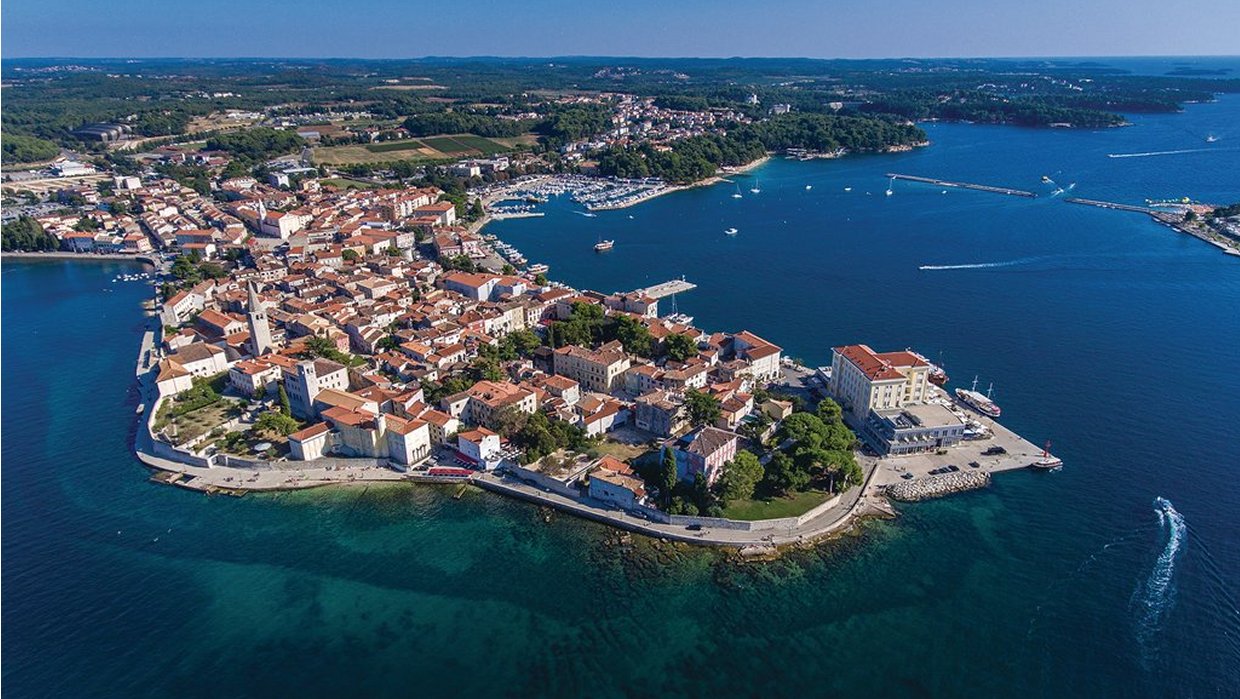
1110	205
675	286
963	185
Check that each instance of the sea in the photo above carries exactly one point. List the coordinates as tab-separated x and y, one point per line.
1113	337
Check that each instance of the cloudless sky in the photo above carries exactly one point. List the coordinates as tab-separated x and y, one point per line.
412	28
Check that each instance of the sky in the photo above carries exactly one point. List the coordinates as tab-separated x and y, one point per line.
708	28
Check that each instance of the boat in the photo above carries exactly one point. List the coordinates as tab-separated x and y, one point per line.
809	186
981	403
539	268
731	231
848	189
1047	462
737	194
755	188
1211	138
1046	179
891	184
604	245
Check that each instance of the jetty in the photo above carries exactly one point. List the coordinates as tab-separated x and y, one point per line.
963	185
675	286
1110	205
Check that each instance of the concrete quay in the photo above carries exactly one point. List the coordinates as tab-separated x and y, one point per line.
963	185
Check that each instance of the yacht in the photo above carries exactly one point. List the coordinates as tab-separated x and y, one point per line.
604	245
737	194
1211	138
731	231
809	187
755	188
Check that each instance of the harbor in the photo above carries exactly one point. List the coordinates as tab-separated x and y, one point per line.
963	185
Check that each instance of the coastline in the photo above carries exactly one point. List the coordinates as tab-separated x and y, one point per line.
144	258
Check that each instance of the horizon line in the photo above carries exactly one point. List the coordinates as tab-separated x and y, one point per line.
611	57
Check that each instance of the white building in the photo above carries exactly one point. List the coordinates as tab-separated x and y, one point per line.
864	380
310	378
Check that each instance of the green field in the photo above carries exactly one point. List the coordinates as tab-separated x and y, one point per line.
412	144
485	145
447	144
794	505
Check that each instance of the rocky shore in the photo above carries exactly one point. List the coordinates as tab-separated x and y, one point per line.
938	486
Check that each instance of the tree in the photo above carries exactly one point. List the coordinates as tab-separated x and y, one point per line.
703	408
27	235
282	396
783	475
668	476
540	279
634	336
509	421
508	269
740	477
679	347
274	422
1190	216
475	210
829	411
350	255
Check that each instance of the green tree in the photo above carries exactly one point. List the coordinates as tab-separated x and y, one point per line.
679	347
275	422
350	255
540	279
282	397
668	476
26	235
740	477
829	411
783	475
703	408
634	336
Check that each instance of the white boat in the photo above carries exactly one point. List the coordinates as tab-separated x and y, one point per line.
809	186
604	245
755	188
891	184
1047	462
848	189
731	231
737	195
1211	138
981	403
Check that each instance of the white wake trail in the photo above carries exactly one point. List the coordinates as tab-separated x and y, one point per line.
1156	596
981	265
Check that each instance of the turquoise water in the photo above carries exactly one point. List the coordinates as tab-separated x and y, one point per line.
1113	336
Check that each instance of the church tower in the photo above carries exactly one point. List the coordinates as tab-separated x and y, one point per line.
260	331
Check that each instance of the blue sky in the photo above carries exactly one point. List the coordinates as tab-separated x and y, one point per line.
410	28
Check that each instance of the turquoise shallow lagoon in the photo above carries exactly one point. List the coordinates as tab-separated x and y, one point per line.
1111	335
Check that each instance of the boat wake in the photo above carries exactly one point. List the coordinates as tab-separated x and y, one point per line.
1154	598
587	214
981	265
1152	154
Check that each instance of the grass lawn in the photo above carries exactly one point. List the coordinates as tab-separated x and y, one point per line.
202	420
346	183
624	452
793	505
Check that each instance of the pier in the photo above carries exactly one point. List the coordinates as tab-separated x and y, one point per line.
675	286
1109	205
963	185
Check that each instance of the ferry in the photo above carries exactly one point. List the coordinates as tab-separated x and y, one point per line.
731	231
604	245
1047	462
981	403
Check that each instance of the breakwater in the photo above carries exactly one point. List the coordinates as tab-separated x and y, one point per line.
963	185
938	486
